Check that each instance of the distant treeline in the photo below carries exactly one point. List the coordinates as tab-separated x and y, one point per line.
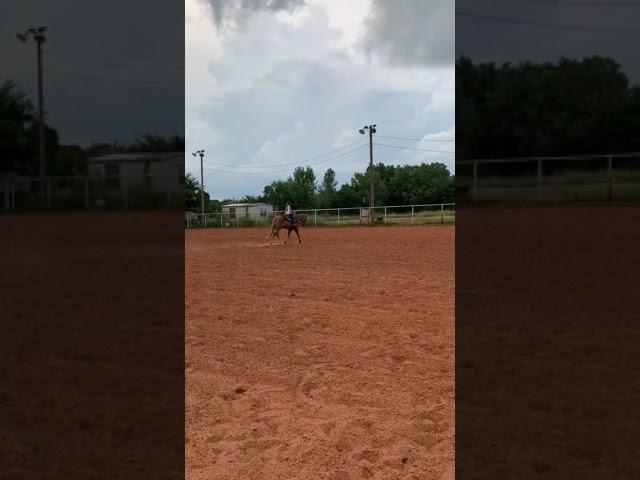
394	185
568	107
19	141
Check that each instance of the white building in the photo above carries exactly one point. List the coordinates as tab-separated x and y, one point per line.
247	210
157	171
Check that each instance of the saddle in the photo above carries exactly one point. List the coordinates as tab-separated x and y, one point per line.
289	220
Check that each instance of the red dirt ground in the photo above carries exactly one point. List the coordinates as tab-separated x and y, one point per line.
333	359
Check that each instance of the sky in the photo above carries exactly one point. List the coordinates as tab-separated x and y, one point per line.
545	30
272	84
112	72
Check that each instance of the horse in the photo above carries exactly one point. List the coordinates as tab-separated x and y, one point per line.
280	222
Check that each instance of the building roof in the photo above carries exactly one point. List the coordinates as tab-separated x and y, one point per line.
136	157
246	204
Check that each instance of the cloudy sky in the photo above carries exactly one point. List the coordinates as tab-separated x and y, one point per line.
112	72
544	30
271	84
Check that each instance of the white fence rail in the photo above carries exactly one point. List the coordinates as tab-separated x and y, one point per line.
88	193
427	214
555	179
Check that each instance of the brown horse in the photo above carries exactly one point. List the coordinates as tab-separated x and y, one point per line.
280	222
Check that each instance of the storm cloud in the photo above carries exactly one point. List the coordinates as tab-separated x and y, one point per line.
112	70
236	12
545	31
296	83
411	32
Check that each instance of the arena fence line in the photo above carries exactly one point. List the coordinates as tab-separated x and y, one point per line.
427	214
550	179
91	192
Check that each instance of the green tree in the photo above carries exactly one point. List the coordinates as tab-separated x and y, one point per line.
192	198
303	187
300	189
327	192
524	110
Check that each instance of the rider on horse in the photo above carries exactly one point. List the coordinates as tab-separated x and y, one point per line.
288	213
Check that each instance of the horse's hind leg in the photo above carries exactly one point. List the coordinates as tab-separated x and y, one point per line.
288	236
298	234
279	239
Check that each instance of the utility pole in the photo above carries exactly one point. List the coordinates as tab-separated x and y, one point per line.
371	129
38	35
201	154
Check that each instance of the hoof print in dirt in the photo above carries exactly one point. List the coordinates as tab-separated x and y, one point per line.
240	390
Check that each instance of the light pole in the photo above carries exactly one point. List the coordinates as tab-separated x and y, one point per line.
371	129
38	36
201	154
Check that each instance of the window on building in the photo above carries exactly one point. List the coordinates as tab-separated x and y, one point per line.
232	212
263	212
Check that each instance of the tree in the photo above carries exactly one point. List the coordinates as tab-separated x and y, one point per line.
524	110
16	121
300	189
251	199
193	200
157	143
303	187
327	191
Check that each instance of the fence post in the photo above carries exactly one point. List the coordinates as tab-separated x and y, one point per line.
610	178
221	221
385	214
475	182
338	216
539	183
442	212
125	199
48	188
86	193
412	214
315	218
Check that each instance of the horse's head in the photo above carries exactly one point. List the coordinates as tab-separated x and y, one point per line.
303	219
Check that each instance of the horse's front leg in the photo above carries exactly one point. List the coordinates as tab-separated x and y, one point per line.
298	234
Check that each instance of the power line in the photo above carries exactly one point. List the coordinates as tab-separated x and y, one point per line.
285	170
411	148
117	79
113	64
291	163
420	139
557	26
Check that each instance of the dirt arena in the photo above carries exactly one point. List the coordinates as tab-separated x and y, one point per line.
332	359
